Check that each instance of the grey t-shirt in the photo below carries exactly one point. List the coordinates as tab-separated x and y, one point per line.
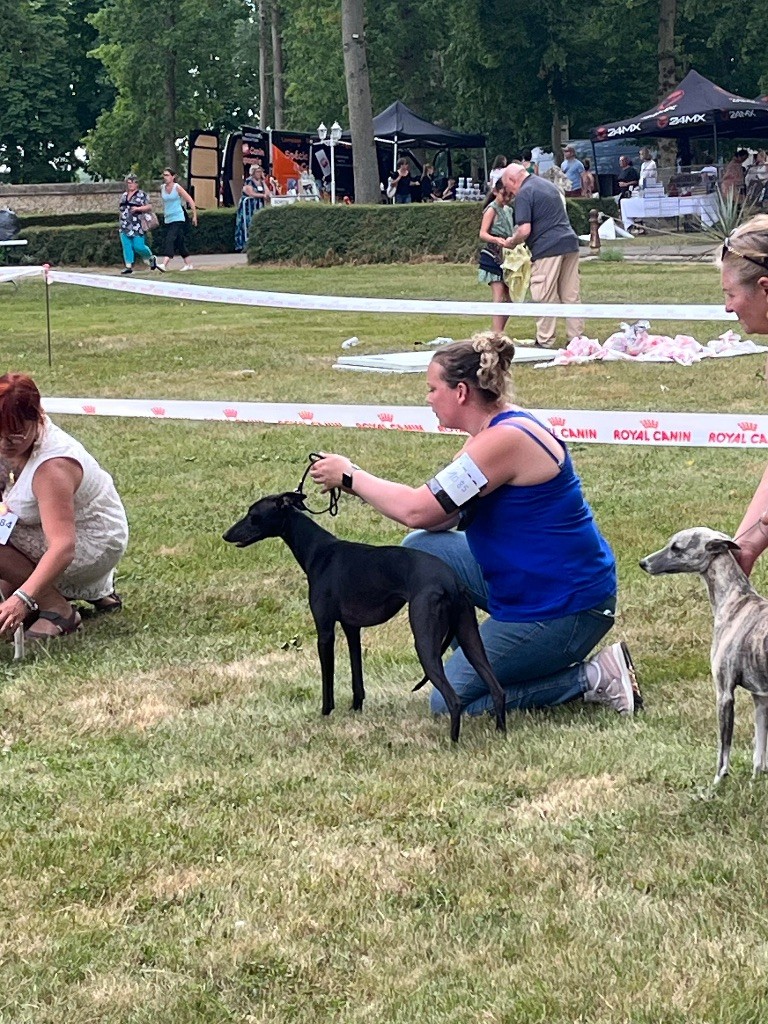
540	204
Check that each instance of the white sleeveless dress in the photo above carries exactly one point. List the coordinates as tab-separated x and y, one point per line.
101	527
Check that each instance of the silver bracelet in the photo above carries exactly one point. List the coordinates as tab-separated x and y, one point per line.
30	602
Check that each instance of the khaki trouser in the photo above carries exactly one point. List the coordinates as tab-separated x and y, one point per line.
556	279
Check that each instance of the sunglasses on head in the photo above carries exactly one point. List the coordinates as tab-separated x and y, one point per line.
759	261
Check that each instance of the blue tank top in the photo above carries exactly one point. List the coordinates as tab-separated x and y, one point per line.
173	211
539	549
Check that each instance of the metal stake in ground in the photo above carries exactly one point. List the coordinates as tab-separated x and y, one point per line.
46	268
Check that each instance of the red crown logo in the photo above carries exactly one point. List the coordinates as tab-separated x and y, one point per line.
386	417
557	421
746	425
650	424
231	414
89	408
306	414
158	410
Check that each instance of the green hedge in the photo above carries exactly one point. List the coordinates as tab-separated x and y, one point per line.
99	245
320	234
62	220
311	233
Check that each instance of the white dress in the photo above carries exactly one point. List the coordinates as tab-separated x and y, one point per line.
647	170
101	527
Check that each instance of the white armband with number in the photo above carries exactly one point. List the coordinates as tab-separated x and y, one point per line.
457	484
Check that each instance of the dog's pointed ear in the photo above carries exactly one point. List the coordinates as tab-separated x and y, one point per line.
721	544
293	499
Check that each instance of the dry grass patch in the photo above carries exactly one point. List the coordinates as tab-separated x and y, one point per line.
141	701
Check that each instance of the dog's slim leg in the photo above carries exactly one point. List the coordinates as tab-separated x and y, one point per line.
725	721
428	624
325	643
759	763
352	634
471	644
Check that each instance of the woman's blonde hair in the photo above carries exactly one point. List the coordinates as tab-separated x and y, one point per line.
747	243
482	362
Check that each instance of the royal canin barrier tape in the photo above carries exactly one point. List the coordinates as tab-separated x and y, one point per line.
668	429
618	312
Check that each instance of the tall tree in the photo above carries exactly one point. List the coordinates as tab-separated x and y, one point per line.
278	84
264	63
50	90
668	71
193	80
359	99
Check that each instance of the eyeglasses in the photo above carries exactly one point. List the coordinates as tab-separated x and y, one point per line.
15	438
759	261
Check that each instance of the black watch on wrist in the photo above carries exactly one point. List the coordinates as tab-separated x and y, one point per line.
346	478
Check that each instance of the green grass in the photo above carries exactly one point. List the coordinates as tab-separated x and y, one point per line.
186	839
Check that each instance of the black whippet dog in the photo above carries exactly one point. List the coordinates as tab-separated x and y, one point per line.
363	585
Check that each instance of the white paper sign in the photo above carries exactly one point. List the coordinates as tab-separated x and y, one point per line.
8	520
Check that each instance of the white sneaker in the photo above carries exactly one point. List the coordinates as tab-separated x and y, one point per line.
161	267
187	266
616	685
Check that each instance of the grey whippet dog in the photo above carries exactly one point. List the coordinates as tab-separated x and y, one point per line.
739	653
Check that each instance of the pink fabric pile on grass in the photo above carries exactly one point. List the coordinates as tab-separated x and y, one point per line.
635	342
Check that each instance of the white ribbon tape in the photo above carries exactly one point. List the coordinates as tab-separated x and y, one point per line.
669	429
13	273
282	300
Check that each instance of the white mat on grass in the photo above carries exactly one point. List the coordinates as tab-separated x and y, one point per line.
417	362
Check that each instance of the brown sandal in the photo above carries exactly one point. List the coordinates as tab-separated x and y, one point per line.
105	605
64	626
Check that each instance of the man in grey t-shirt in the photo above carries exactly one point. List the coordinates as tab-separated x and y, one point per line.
542	223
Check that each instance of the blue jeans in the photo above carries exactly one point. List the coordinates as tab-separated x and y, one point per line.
133	246
539	664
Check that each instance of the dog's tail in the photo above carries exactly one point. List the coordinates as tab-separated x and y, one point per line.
450	633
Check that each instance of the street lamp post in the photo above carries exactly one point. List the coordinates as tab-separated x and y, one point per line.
333	140
335	136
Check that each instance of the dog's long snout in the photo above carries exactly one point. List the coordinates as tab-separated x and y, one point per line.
646	564
239	534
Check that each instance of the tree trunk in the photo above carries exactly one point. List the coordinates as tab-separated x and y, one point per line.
170	98
667	73
367	188
264	33
277	64
169	140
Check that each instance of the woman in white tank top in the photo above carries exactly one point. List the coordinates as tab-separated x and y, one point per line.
68	528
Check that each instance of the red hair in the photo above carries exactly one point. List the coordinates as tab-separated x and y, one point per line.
19	403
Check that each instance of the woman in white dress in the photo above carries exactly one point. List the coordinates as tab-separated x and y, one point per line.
648	168
68	528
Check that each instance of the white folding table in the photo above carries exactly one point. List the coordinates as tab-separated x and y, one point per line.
638	208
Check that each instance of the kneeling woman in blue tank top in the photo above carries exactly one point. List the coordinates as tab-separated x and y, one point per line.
527	547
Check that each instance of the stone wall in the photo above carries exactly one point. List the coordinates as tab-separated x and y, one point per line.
83	197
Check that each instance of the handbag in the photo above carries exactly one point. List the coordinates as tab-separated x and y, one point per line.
149	221
490	259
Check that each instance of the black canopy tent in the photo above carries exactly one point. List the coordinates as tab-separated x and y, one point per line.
400	127
696	108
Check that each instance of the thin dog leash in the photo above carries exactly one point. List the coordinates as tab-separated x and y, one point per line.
749	529
333	494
